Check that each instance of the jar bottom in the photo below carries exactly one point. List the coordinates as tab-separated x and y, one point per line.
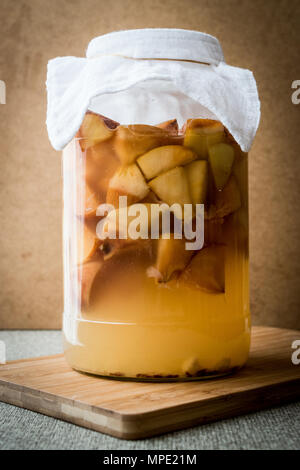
157	353
200	375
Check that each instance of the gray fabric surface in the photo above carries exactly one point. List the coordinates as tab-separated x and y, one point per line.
277	428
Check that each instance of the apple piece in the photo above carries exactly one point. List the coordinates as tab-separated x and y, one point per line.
170	126
172	258
123	273
134	140
87	274
101	164
151	198
88	196
92	200
202	133
191	366
124	221
113	195
213	139
206	271
206	126
121	280
112	247
162	159
221	158
95	252
229	199
87	241
172	186
90	222
127	181
91	171
109	122
197	173
104	151
88	193
94	129
116	223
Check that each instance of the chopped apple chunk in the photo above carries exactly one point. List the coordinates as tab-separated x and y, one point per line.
118	222
127	181
122	276
92	200
162	159
151	198
170	126
87	243
206	271
172	258
197	173
172	186
134	140
200	134
109	122
93	130
104	152
95	252
133	222
87	274
112	247
221	158
100	166
228	200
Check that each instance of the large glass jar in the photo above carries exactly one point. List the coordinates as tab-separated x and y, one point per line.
155	128
149	308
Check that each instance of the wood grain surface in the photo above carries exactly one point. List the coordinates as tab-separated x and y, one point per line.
263	36
132	410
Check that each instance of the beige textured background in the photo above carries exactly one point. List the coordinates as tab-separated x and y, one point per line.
262	35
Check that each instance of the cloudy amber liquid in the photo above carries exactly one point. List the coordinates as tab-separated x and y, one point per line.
167	332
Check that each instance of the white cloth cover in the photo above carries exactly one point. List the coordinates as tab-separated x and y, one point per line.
119	79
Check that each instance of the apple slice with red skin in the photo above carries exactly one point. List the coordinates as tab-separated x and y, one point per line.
206	271
171	126
94	129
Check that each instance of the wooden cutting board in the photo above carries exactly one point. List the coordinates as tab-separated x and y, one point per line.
132	410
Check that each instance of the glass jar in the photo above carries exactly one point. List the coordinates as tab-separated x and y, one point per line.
142	299
150	308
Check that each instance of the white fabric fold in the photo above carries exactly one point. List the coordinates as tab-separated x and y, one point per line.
178	44
228	93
